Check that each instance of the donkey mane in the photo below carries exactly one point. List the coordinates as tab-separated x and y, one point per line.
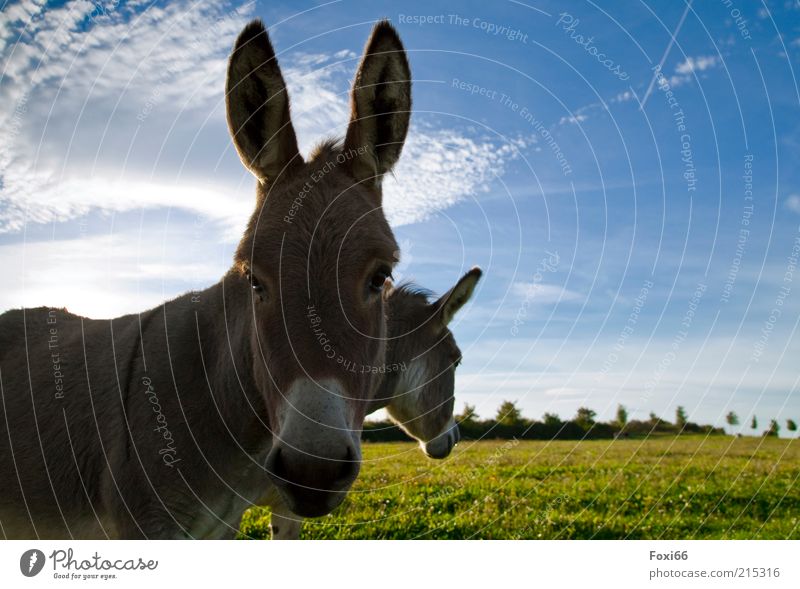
326	149
413	289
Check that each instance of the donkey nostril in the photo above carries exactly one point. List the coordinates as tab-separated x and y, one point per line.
275	464
349	465
300	472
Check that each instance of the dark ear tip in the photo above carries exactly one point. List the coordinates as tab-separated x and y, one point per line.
475	271
252	30
384	32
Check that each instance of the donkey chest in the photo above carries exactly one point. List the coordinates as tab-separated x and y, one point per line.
244	485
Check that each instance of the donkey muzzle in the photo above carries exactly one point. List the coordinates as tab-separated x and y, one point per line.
441	446
317	454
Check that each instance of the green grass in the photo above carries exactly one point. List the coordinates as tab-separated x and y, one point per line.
668	487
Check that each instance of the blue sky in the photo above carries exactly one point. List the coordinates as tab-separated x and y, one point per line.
638	232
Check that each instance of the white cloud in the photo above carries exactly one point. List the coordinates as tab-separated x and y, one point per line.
563	391
96	104
792	203
691	67
73	197
623	96
696	64
109	275
536	292
440	167
575	119
84	88
89	53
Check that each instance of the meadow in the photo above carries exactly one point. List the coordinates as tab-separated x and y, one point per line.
675	487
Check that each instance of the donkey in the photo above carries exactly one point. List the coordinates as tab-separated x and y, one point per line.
418	385
170	423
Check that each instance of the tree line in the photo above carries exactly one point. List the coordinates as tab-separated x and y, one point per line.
509	422
773	429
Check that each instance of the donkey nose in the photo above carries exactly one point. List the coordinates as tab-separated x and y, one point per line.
325	473
312	485
316	454
441	446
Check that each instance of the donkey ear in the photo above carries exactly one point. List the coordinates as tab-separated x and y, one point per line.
258	106
380	107
455	298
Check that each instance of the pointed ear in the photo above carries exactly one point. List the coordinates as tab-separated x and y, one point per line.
455	298
380	105
257	106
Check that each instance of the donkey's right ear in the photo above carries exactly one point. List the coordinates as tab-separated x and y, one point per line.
458	296
257	106
381	107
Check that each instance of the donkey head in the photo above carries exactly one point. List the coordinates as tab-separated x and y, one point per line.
314	259
423	355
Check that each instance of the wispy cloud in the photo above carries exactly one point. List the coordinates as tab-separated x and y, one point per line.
110	275
441	167
574	119
792	203
696	64
688	69
79	85
535	292
97	100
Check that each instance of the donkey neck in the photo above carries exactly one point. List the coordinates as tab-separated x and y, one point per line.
219	321
407	307
392	379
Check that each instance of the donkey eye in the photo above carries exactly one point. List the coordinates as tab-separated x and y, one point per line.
379	278
255	285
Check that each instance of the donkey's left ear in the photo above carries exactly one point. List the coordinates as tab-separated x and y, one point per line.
455	298
380	109
257	106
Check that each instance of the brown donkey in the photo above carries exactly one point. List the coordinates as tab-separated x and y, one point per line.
418	385
168	424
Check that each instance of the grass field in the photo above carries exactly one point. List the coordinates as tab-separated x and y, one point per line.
669	488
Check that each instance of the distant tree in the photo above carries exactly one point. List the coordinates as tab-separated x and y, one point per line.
622	417
791	425
509	414
552	420
754	423
680	417
654	419
585	417
732	419
774	428
467	414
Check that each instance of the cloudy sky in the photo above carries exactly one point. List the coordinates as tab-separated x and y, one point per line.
626	178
